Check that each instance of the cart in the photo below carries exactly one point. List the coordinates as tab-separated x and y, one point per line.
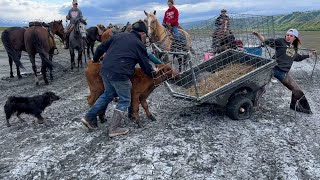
238	94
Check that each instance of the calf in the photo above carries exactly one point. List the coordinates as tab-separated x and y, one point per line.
142	87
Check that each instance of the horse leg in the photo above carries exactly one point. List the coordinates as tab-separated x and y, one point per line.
135	109
181	63
92	50
11	71
144	104
34	67
44	72
80	57
71	50
50	59
18	68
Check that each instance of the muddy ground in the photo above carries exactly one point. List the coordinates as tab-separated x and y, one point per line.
187	141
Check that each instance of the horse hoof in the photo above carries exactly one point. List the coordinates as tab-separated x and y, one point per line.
152	118
139	124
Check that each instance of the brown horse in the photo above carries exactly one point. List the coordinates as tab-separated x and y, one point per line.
37	39
110	31
13	41
162	37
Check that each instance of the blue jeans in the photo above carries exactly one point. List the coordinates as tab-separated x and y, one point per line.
280	75
175	30
112	89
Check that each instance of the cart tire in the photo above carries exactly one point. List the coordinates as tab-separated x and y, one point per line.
239	108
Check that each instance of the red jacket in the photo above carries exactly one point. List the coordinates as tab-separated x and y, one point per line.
171	16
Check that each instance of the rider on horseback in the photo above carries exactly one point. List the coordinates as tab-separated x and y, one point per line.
170	19
223	21
74	15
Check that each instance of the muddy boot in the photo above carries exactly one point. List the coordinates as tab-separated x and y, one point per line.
115	128
298	100
259	94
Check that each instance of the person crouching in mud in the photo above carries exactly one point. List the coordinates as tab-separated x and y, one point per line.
286	51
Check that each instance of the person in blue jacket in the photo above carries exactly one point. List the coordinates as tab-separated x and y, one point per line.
122	52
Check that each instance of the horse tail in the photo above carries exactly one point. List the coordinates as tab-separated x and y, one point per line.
38	44
12	53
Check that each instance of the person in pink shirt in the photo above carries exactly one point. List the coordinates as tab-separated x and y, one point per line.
171	17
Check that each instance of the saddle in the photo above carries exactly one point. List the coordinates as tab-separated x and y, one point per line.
43	25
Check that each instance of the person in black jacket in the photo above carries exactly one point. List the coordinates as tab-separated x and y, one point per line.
122	52
286	51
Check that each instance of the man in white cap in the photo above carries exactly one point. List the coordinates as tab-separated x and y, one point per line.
286	51
74	15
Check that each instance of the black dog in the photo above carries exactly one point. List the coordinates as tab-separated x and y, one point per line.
29	105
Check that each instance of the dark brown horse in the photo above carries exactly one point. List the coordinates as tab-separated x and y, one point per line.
37	39
13	41
93	34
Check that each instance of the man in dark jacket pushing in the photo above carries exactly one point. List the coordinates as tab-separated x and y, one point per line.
122	52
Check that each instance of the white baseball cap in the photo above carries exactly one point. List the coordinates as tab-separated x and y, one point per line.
293	32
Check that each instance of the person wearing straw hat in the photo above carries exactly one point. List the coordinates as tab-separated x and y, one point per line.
122	52
286	51
74	14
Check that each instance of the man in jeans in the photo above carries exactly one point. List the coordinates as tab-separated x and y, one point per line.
122	52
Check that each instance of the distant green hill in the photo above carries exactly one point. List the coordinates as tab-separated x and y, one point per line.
304	21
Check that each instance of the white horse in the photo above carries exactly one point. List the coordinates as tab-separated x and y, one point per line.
77	41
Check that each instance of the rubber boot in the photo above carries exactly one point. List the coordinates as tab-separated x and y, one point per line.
259	94
115	128
298	100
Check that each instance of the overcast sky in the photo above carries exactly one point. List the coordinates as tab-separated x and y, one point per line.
122	11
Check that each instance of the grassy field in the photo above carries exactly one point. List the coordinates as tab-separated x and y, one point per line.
3	28
310	40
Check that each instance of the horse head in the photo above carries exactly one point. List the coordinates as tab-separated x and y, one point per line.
165	72
56	27
153	25
81	28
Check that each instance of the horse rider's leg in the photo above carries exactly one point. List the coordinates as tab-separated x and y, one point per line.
44	73
72	58
10	63
175	31
34	67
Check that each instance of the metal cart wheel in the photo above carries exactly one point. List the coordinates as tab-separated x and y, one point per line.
239	108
